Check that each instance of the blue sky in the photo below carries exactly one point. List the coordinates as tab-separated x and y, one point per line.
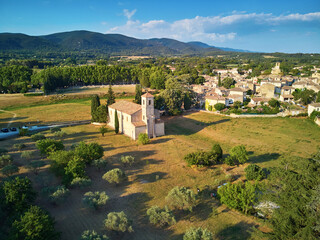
256	25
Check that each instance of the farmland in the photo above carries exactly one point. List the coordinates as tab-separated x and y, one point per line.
160	167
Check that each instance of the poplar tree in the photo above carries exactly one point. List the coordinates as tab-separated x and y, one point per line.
110	96
137	98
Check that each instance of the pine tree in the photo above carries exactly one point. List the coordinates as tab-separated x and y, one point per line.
116	122
95	103
137	98
110	96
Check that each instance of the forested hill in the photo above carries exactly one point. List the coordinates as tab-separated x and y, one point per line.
113	44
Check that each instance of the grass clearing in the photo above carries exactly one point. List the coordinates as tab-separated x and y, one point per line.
160	166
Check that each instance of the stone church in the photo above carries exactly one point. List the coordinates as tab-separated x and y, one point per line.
135	119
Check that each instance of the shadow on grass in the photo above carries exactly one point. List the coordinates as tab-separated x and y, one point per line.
152	177
160	140
187	126
234	232
78	137
264	157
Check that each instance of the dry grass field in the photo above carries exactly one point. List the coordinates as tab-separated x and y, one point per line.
160	167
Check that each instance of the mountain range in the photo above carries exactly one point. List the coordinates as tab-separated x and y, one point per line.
114	44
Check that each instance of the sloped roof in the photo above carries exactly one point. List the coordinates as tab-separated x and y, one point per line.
147	95
126	107
237	89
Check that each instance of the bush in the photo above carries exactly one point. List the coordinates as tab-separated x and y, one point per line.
60	195
95	199
201	158
118	221
47	146
197	234
80	182
35	224
216	148
210	108
239	196
89	152
26	154
60	134
127	160
5	160
314	114
3	151
100	163
161	217
35	166
240	153
9	170
75	168
55	129
254	172
181	198
274	103
19	146
143	139
23	132
230	160
219	106
37	137
115	175
59	161
92	235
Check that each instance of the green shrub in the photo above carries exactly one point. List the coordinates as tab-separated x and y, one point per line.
95	199
60	195
118	221
75	168
5	160
100	163
33	94
92	235
23	132
254	172
201	158
9	170
103	130
48	146
143	138
127	160
314	114
230	160
197	234
240	153
19	146
59	161
161	217
60	134
55	129
3	151
216	148
115	175
80	182
181	198
27	154
37	137
219	106
210	108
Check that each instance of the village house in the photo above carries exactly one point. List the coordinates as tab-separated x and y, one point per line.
135	119
267	90
213	100
313	107
256	101
286	94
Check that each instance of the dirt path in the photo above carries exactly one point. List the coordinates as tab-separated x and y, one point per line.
14	116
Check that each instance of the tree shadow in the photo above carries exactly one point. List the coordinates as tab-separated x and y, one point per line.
160	140
187	126
151	177
234	232
264	157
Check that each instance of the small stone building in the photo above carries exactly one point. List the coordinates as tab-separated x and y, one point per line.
135	119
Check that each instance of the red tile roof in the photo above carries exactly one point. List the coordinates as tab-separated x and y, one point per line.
126	107
147	95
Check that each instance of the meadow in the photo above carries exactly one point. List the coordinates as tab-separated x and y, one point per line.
160	167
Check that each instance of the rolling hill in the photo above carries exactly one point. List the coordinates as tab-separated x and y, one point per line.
103	43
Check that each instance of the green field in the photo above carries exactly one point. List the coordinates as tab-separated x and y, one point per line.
160	167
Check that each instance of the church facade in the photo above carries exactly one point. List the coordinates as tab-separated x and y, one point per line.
135	119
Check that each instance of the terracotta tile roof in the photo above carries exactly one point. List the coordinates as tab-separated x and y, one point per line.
287	87
147	95
237	89
287	96
139	124
126	107
215	97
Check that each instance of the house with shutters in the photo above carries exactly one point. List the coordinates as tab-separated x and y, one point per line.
135	119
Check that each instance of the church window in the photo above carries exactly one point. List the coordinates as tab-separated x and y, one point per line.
149	102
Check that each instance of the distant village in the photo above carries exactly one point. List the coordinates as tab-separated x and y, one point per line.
260	91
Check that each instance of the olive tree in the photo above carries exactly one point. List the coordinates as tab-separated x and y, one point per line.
161	217
197	234
118	221
95	199
115	175
181	198
92	235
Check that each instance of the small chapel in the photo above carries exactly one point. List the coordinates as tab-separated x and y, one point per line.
135	119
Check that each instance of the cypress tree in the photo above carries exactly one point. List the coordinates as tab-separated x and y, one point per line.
116	122
219	81
95	103
110	96
187	102
137	98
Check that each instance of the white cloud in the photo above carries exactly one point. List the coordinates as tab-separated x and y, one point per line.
212	29
129	14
